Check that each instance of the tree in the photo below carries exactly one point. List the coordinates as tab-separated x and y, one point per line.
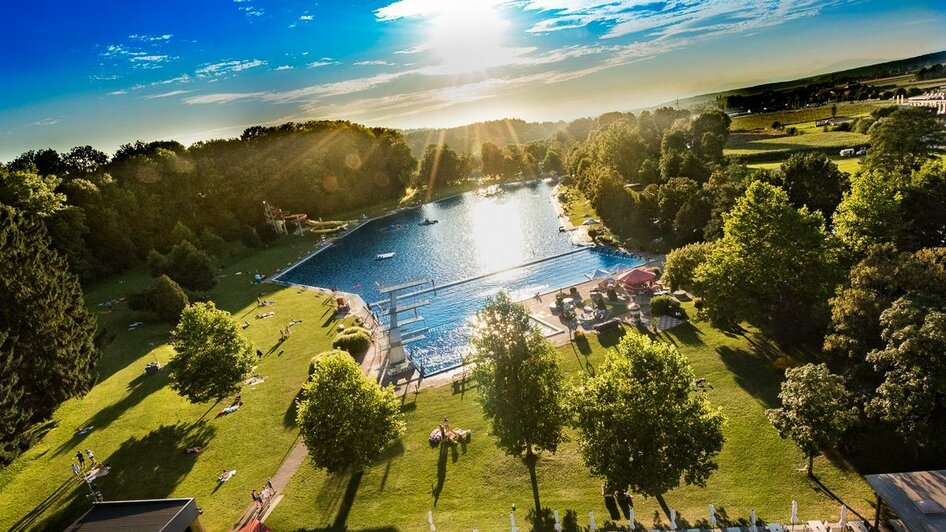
902	141
212	357
874	283
441	165
812	180
869	214
912	395
773	267
924	208
520	381
640	423
168	299
47	331
190	267
816	409
492	157
681	263
345	418
30	192
552	163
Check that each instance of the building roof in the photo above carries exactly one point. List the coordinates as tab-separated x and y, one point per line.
918	498
158	515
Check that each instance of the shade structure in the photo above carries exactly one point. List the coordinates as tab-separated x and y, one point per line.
752	521
712	515
630	517
794	512
843	523
637	277
598	274
430	520
512	521
558	523
591	522
673	519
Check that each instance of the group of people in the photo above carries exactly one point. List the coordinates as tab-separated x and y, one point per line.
78	467
261	497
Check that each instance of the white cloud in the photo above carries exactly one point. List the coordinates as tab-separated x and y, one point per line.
118	92
150	38
284	67
336	88
150	58
46	122
413	49
374	62
306	18
222	97
325	61
166	94
227	67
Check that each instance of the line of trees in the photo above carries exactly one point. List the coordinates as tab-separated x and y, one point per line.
854	266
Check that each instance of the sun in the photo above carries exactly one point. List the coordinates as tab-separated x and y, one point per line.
466	36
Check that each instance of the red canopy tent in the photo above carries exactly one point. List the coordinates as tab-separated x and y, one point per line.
255	526
637	277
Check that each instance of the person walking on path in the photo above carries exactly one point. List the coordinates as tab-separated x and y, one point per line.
269	486
88	452
81	460
257	499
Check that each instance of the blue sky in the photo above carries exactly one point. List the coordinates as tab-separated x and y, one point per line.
104	73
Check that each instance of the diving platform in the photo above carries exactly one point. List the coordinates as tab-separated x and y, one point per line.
413	339
410	306
402	286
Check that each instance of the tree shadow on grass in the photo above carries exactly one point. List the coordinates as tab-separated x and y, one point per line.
140	388
289	416
152	466
754	373
612	337
348	500
28	520
685	333
544	521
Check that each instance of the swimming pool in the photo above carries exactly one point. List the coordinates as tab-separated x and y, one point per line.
479	246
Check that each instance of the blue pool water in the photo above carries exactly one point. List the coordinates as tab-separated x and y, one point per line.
506	242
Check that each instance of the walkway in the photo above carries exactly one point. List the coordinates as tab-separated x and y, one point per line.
280	479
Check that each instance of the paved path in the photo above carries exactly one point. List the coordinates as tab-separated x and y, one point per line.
280	478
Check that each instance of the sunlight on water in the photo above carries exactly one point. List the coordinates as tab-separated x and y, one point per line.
497	234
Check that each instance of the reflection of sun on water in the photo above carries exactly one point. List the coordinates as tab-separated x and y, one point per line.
496	228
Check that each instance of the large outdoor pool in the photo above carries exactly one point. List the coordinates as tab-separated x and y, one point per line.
480	245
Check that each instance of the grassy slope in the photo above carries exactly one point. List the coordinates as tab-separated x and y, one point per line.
475	486
141	426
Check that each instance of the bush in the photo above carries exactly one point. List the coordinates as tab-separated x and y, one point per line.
212	243
190	267
355	340
662	305
319	356
792	131
250	237
166	300
157	263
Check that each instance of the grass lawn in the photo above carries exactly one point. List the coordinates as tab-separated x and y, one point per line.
142	426
475	485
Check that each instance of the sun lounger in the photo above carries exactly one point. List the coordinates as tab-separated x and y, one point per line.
858	526
817	526
775	527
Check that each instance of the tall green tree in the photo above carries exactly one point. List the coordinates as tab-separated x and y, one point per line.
48	347
520	383
869	214
774	266
639	421
442	165
211	355
345	418
901	142
912	396
812	180
681	263
816	409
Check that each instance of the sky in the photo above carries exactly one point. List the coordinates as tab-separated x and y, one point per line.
107	73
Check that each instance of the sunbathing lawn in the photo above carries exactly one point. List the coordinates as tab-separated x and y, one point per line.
850	165
476	486
142	427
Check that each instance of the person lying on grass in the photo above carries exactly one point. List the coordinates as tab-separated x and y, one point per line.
230	409
226	475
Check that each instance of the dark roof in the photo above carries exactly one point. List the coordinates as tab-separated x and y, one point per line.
918	498
158	515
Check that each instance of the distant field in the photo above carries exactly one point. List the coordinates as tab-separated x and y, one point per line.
756	144
850	165
907	81
809	114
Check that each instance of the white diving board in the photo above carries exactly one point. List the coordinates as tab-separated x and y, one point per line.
411	306
402	286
